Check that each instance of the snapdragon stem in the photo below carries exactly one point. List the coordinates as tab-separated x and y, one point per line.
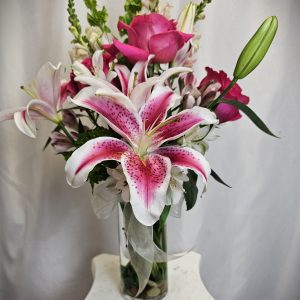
213	104
64	129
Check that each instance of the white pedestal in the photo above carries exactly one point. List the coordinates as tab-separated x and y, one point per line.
184	279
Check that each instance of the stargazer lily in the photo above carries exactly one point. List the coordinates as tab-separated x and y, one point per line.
45	104
145	162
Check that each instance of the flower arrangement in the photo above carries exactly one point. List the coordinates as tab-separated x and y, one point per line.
134	121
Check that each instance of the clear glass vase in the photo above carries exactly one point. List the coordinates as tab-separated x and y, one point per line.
157	284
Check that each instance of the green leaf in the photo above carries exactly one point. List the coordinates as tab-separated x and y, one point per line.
97	17
85	136
216	177
131	8
250	114
163	217
191	190
256	48
75	27
57	128
200	10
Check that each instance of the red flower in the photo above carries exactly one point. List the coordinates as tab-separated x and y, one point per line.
224	112
151	34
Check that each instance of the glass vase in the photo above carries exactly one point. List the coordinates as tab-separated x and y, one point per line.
157	284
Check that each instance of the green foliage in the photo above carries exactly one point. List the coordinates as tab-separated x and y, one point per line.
85	136
97	17
75	27
191	190
163	218
250	114
216	177
200	10
131	7
256	48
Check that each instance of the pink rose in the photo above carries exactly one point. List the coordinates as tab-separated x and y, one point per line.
151	34
216	82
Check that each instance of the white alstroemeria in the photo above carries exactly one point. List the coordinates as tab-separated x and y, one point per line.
175	190
97	77
45	104
185	22
198	138
145	162
134	83
120	182
78	52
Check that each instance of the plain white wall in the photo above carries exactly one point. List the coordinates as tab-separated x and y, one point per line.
249	236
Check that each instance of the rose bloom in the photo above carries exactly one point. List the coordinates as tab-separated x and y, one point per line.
151	34
215	83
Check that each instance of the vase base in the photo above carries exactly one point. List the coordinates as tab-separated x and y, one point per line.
159	297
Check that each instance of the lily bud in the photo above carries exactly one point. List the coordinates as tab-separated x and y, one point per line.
256	48
186	18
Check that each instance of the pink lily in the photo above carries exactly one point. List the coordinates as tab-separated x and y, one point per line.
145	163
45	104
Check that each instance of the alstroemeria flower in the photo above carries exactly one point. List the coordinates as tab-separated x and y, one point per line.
216	82
93	68
151	34
45	104
146	164
134	83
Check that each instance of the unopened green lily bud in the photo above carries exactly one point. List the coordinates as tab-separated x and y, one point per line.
256	48
186	18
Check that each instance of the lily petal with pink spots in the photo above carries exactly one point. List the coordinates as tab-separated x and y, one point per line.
148	181
93	152
187	158
115	108
156	108
176	126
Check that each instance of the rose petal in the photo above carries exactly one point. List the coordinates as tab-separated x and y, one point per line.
165	46
132	53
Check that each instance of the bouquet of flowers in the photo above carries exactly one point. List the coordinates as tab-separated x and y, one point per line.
134	120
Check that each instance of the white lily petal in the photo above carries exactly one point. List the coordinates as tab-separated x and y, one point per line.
48	84
80	69
95	82
8	114
24	123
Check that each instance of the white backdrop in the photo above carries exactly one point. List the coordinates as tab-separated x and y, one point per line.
249	236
